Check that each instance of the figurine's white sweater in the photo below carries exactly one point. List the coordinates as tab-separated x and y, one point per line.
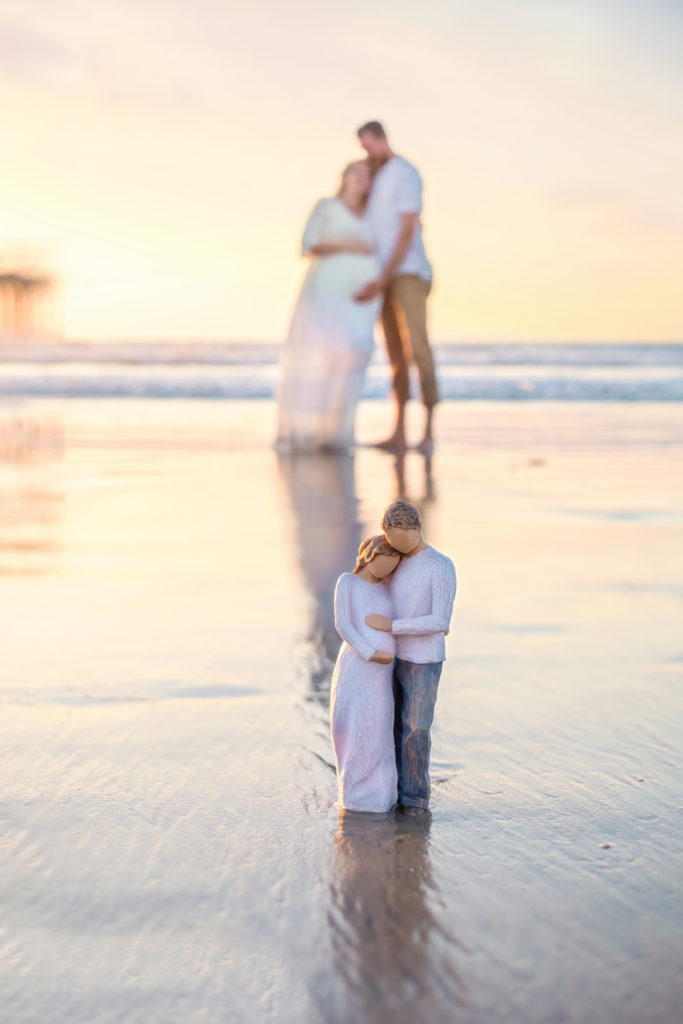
362	700
422	593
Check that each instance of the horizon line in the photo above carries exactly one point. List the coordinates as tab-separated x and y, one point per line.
9	342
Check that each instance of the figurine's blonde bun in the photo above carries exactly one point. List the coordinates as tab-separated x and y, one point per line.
372	547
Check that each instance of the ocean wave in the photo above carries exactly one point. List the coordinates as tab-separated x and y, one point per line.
260	386
235	353
247	371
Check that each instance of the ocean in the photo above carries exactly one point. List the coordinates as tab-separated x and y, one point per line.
562	372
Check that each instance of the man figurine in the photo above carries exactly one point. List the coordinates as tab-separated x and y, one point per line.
393	212
422	591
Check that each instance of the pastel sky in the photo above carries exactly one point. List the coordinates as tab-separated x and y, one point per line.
165	156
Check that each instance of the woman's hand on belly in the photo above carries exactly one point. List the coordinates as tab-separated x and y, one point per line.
362	247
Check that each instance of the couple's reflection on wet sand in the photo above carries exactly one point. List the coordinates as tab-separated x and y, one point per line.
423	497
393	957
322	492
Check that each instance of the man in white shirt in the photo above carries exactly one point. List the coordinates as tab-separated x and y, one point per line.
422	592
393	212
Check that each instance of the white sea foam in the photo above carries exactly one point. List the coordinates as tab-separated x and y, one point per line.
241	370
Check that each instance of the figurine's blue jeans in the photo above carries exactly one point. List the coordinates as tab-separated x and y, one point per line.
415	689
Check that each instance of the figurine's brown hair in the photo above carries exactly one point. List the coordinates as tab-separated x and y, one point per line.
402	514
372	547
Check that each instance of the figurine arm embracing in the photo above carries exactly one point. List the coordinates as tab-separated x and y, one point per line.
443	586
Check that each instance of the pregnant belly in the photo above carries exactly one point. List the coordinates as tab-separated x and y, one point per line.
352	671
345	272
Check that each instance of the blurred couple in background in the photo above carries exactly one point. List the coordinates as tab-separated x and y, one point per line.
367	260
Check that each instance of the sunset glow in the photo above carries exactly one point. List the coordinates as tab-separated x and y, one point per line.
165	157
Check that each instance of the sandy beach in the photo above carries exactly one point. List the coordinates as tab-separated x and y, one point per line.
172	848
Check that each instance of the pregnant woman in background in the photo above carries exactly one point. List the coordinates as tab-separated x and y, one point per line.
362	700
330	338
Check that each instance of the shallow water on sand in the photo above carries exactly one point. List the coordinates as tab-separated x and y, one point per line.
173	849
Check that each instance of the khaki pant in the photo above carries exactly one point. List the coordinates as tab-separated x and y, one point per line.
404	319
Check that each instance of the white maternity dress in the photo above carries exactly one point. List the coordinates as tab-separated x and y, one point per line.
362	701
330	338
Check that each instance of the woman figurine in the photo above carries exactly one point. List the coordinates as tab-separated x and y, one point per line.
362	702
330	338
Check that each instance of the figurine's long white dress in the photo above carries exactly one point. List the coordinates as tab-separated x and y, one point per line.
330	337
362	700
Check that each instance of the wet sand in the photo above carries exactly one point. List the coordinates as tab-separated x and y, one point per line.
172	851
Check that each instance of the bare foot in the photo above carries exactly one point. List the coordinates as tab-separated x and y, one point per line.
395	443
425	447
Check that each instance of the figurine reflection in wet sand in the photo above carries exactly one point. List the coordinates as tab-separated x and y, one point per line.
362	703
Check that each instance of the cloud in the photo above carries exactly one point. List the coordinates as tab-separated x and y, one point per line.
30	54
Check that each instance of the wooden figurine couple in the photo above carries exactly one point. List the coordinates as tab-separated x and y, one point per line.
392	612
